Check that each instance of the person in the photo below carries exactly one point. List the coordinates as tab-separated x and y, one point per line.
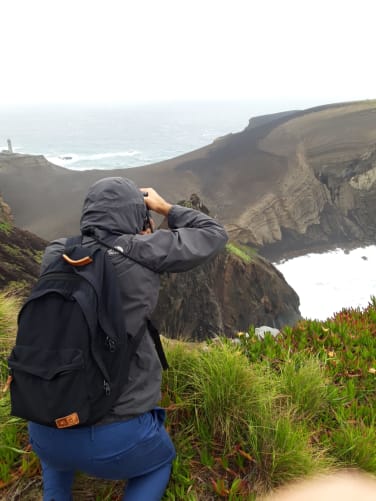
131	441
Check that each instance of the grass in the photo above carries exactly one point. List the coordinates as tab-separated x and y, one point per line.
242	251
246	415
5	227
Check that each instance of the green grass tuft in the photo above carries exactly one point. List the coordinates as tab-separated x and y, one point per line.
5	227
242	251
245	416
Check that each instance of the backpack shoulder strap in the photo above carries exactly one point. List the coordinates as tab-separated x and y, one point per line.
158	344
71	241
90	232
151	328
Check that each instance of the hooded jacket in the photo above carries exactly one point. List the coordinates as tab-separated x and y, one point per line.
115	207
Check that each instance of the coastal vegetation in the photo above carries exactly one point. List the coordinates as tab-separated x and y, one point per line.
5	227
246	415
244	252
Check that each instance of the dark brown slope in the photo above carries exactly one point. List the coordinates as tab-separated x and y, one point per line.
46	199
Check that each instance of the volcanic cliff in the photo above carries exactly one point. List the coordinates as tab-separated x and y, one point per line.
220	298
224	296
20	253
290	182
235	290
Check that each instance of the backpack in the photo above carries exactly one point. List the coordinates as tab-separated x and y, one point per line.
72	353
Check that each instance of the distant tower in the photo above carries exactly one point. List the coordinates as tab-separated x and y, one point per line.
10	149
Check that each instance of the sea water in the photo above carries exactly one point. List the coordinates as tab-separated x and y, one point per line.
326	283
126	136
121	136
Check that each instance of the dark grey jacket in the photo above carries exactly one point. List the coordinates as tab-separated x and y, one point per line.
116	208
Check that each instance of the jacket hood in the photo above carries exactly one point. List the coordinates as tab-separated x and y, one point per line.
114	204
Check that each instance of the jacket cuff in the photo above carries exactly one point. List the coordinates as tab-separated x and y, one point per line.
173	215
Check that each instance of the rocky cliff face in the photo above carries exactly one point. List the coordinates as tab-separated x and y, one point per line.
20	253
328	195
225	296
233	291
219	298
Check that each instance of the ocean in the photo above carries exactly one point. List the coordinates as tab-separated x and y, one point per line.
328	282
125	136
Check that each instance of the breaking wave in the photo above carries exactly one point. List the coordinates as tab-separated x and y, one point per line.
328	282
110	159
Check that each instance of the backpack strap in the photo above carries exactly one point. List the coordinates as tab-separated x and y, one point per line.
90	232
71	241
158	344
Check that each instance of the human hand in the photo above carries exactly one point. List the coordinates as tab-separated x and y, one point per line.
155	202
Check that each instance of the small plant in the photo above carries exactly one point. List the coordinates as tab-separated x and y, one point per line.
282	451
242	251
5	227
9	306
12	250
304	382
355	445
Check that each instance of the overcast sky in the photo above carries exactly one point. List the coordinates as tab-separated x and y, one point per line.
90	51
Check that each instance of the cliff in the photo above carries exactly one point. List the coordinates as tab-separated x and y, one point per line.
237	289
20	253
223	297
289	183
327	196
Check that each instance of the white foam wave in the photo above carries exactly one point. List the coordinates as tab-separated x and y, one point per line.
327	283
62	160
70	159
99	156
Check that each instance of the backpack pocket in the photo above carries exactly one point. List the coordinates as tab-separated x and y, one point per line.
41	378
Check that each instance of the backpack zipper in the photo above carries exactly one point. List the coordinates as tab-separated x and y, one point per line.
110	344
106	388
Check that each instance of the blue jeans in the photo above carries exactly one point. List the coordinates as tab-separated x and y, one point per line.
139	450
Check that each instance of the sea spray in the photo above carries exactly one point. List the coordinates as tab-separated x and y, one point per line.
328	282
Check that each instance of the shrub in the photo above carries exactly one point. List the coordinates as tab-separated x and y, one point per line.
304	382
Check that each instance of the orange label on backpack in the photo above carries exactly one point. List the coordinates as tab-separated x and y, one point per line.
67	421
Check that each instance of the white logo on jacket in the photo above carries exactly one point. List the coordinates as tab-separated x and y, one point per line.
115	250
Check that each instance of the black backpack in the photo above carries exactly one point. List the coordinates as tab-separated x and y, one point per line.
72	353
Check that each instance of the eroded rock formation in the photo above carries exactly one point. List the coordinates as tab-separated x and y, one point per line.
20	253
224	296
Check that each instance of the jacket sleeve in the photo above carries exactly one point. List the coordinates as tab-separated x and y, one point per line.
192	239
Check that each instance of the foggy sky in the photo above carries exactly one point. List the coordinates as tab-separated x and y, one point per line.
90	51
